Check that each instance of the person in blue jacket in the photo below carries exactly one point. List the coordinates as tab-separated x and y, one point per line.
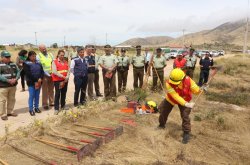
34	75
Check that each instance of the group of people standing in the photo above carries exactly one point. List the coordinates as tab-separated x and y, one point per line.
51	74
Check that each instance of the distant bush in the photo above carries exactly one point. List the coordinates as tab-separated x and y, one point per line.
2	47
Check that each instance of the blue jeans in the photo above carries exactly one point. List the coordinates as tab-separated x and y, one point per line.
33	97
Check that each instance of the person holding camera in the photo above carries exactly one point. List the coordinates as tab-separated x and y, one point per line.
122	70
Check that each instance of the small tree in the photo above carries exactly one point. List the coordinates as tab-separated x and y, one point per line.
54	45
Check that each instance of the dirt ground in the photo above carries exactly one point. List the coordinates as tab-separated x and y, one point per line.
211	143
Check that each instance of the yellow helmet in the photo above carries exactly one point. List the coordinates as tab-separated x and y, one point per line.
176	76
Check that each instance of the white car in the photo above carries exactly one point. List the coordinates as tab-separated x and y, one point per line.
202	53
173	53
214	53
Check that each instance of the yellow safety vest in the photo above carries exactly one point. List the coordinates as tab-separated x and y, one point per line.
46	62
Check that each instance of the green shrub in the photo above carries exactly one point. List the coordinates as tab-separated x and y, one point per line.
197	117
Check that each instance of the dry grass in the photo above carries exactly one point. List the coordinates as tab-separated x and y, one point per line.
232	84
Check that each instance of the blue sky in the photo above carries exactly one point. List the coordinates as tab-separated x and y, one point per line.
83	22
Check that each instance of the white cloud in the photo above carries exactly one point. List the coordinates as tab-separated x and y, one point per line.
83	21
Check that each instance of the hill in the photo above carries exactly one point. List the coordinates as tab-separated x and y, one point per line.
226	33
153	40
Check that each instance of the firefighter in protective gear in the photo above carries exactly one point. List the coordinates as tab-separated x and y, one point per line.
179	91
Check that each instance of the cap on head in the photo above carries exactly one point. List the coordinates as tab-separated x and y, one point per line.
191	49
158	50
88	46
179	54
123	50
176	76
107	46
138	47
5	54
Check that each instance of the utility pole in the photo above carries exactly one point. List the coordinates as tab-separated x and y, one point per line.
64	38
106	38
36	38
246	33
183	38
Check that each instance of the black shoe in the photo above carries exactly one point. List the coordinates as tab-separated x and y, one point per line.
51	105
32	113
99	95
13	114
46	107
83	103
37	110
161	127
4	117
186	138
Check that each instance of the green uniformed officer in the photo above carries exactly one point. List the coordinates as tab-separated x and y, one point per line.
122	70
9	74
191	62
159	63
138	62
108	63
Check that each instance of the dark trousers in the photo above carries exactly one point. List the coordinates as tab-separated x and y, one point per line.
138	75
146	67
91	78
22	74
155	78
60	94
80	86
122	80
96	82
165	108
109	86
204	74
190	72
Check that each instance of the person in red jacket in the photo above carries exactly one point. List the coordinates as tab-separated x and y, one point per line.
180	62
60	77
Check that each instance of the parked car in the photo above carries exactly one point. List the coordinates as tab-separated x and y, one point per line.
166	53
173	53
221	52
202	53
197	53
214	53
183	52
